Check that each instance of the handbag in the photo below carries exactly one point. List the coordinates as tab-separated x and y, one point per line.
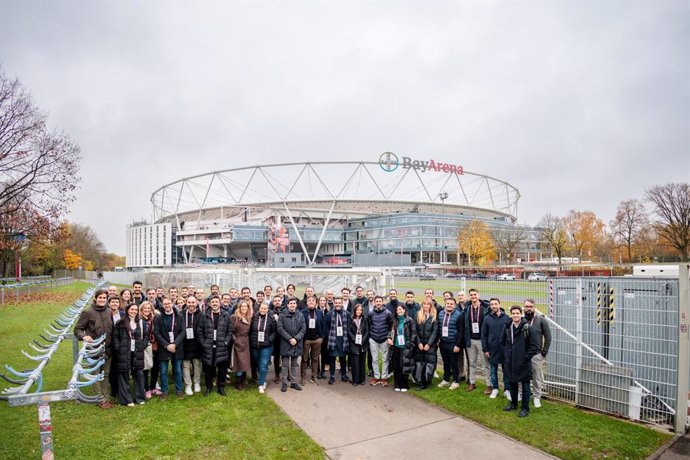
148	357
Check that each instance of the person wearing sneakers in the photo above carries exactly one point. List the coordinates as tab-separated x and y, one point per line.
191	360
130	339
312	339
169	331
475	312
450	343
261	337
491	344
403	339
425	353
380	322
541	327
291	328
337	325
275	310
519	343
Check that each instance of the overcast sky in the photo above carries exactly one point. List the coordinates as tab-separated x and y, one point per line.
579	104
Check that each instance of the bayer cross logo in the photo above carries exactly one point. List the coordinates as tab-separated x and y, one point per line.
389	161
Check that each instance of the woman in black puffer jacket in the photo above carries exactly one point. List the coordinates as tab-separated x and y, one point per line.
130	339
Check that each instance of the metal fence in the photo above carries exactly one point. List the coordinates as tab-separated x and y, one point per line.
615	346
11	293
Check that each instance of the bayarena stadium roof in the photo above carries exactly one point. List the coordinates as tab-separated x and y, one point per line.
335	190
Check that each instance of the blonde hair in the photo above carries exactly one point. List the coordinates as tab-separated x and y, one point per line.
238	311
421	317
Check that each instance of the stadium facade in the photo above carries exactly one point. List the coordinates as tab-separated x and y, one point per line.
395	211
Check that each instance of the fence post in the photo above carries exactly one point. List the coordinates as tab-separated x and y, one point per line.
683	348
578	334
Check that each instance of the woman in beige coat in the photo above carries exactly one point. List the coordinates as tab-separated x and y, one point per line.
241	323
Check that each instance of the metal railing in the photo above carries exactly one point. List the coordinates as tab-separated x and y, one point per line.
85	372
14	292
615	346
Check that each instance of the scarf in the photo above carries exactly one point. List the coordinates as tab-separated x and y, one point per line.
333	330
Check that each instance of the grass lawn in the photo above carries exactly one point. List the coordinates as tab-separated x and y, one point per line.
242	425
559	429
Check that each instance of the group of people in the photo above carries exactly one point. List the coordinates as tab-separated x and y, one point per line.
235	333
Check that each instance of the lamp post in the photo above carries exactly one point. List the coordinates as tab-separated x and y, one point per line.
443	196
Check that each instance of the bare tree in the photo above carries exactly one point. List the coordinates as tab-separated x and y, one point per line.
630	225
553	232
508	240
38	168
38	172
672	205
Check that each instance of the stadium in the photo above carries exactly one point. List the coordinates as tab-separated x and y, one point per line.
395	211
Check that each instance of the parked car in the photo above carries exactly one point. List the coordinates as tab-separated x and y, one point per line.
427	277
478	276
453	276
506	277
536	277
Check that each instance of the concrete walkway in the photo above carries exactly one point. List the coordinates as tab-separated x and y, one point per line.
368	422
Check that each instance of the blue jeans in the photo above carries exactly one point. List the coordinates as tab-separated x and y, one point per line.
177	374
494	377
263	357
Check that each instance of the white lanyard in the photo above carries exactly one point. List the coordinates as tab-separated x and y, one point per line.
261	334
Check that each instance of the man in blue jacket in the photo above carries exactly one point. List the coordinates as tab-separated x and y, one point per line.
450	333
475	312
380	323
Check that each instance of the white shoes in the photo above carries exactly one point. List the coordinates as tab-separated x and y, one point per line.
435	374
537	402
506	393
454	386
262	389
443	384
188	390
403	390
397	389
494	393
197	388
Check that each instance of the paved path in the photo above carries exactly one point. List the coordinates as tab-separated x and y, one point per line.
375	423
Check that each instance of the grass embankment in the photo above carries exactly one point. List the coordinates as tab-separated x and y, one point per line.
556	428
242	425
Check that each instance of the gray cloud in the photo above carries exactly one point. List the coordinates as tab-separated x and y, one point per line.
578	104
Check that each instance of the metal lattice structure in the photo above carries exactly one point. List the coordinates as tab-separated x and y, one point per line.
326	194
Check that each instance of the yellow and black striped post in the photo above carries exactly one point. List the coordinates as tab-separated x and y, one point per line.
612	311
598	303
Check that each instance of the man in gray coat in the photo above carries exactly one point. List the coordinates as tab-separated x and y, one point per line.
291	328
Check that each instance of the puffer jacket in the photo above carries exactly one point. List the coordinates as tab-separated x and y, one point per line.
427	334
380	322
122	345
455	328
291	325
223	337
269	331
411	340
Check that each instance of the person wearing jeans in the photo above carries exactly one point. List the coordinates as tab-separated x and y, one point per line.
261	337
169	331
450	342
380	321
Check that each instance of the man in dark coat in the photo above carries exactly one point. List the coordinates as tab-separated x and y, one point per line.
214	334
519	342
492	329
291	327
475	312
313	339
169	332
